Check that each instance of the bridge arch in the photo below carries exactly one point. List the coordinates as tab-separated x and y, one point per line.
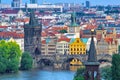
45	62
72	63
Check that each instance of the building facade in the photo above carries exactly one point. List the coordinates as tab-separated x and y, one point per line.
63	46
48	46
16	3
77	47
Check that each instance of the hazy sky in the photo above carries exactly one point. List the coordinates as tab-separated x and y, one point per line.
93	2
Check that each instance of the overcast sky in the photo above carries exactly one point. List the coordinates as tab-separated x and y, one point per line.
93	2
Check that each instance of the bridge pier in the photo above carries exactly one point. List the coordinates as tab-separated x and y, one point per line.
57	66
35	64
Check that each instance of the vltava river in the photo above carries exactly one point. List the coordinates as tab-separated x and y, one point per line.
39	75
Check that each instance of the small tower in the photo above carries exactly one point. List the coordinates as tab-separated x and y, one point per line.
74	28
32	35
92	65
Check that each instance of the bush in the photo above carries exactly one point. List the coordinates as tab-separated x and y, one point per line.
2	67
79	75
13	65
116	67
106	73
79	78
26	62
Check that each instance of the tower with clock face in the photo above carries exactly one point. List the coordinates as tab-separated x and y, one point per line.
74	28
32	35
92	65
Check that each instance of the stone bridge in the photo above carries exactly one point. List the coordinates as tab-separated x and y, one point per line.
63	61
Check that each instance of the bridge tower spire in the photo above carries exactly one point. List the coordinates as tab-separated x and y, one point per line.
32	35
92	65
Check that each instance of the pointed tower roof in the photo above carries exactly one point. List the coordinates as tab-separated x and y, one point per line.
92	51
33	22
73	20
32	18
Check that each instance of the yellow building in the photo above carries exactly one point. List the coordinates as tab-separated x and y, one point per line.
76	46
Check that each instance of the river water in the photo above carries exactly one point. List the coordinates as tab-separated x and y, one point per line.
39	75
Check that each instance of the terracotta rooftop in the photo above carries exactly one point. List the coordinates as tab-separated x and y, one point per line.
11	34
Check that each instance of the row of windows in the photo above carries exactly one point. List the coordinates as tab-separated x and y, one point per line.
62	50
77	49
77	53
63	46
77	46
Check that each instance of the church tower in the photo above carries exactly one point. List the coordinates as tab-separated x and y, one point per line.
92	65
32	35
74	28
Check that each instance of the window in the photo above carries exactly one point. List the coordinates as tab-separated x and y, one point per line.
77	41
74	49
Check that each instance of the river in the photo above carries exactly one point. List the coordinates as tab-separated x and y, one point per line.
39	75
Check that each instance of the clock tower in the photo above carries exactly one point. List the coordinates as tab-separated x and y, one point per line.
92	65
32	35
74	28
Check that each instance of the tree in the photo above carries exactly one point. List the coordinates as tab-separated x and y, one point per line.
13	65
79	75
119	48
2	67
3	64
63	31
116	67
106	73
26	62
10	54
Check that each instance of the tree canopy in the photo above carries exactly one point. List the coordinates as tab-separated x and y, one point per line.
116	67
79	75
26	62
63	31
10	54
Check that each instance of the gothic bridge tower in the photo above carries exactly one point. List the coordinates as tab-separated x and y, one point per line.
92	65
32	35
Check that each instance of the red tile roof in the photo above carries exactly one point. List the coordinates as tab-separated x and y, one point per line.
11	34
10	11
43	41
3	27
90	26
109	40
64	39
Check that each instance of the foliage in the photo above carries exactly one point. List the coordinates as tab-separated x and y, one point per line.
13	65
26	62
79	78
2	67
119	48
116	67
79	74
63	31
10	54
106	73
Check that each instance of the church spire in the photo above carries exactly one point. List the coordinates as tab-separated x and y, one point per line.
92	51
73	20
33	21
32	18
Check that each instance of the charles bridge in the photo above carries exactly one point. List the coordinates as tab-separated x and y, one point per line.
62	61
